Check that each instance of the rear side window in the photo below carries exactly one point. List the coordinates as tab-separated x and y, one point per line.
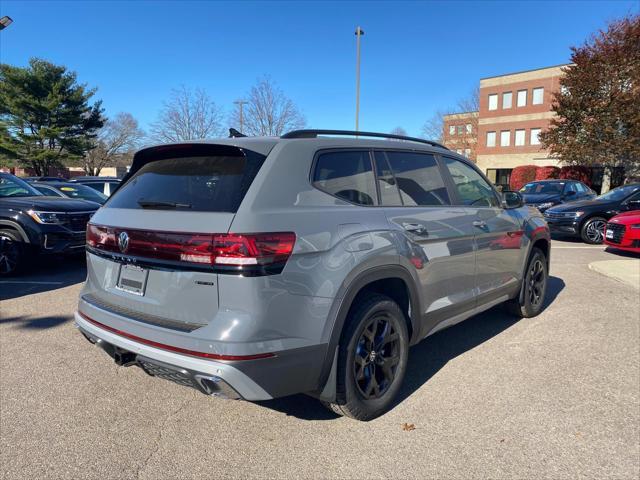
198	183
418	178
472	188
347	175
99	186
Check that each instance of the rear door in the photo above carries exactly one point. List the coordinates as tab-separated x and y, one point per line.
418	202
151	244
497	232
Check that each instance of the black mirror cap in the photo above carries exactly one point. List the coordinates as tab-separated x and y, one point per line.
512	199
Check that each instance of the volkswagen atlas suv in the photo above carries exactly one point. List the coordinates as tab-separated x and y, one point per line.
256	268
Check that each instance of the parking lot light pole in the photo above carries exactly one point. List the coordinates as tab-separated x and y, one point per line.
241	103
5	22
359	33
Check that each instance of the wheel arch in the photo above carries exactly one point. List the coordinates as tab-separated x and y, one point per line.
15	226
394	281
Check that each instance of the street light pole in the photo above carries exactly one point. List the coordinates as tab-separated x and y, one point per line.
359	33
240	103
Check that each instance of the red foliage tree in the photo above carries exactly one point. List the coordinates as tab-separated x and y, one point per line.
576	172
545	173
522	175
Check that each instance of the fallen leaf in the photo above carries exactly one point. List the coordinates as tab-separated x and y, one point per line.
407	427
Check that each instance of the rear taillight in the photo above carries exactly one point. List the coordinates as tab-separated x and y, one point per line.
258	252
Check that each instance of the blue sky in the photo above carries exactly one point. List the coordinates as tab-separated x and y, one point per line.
417	57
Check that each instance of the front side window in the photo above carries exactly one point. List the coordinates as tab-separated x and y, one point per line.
535	136
347	175
537	96
418	178
507	98
519	138
522	98
505	138
493	101
491	139
472	188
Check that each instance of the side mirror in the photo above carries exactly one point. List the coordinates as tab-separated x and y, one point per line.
512	199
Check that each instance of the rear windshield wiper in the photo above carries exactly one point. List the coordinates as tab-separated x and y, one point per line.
158	204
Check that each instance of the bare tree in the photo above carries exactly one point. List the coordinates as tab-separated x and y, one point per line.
398	131
114	144
268	111
187	115
433	128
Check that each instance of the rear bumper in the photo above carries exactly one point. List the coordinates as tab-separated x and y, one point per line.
287	372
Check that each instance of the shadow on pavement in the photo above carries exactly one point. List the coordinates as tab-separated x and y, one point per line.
425	358
39	323
44	274
622	253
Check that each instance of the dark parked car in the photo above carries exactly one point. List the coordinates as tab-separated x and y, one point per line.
545	194
105	185
587	219
70	190
45	179
31	223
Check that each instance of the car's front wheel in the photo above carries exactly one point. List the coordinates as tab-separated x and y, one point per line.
533	289
11	252
593	230
372	359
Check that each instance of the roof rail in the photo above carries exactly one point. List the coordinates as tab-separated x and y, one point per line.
352	133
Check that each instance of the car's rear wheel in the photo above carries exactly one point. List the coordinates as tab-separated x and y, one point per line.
592	230
530	301
372	359
11	252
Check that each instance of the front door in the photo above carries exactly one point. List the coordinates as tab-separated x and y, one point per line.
497	233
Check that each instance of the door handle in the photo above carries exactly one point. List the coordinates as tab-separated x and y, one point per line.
415	228
480	223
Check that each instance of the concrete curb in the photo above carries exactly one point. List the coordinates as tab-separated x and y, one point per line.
625	271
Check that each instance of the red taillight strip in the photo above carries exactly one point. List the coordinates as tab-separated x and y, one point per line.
151	343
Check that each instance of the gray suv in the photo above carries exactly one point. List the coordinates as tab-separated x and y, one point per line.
256	268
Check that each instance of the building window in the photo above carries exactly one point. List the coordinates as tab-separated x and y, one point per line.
467	152
460	129
452	129
493	101
537	96
505	138
522	98
519	140
507	98
469	128
535	136
491	139
459	151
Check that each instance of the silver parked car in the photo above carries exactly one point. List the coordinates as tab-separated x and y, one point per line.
256	268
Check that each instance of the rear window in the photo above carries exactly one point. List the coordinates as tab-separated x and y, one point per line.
199	183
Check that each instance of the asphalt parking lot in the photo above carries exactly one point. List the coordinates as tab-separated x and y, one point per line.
557	396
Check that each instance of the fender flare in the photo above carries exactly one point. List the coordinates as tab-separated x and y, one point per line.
342	305
16	226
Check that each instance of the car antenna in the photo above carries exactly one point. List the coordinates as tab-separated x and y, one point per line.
233	133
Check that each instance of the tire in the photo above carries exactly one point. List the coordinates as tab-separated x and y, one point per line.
369	378
12	253
592	230
533	289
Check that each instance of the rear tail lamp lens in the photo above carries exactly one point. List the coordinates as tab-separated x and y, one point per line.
225	250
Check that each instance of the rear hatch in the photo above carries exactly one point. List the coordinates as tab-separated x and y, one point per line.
151	247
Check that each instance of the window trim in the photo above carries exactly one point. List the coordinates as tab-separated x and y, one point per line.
524	137
526	99
489	102
503	95
533	97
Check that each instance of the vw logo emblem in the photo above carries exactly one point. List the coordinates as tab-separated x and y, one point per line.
123	241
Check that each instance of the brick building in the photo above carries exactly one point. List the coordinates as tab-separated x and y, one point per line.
461	133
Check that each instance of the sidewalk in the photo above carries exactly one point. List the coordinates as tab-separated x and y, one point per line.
626	271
